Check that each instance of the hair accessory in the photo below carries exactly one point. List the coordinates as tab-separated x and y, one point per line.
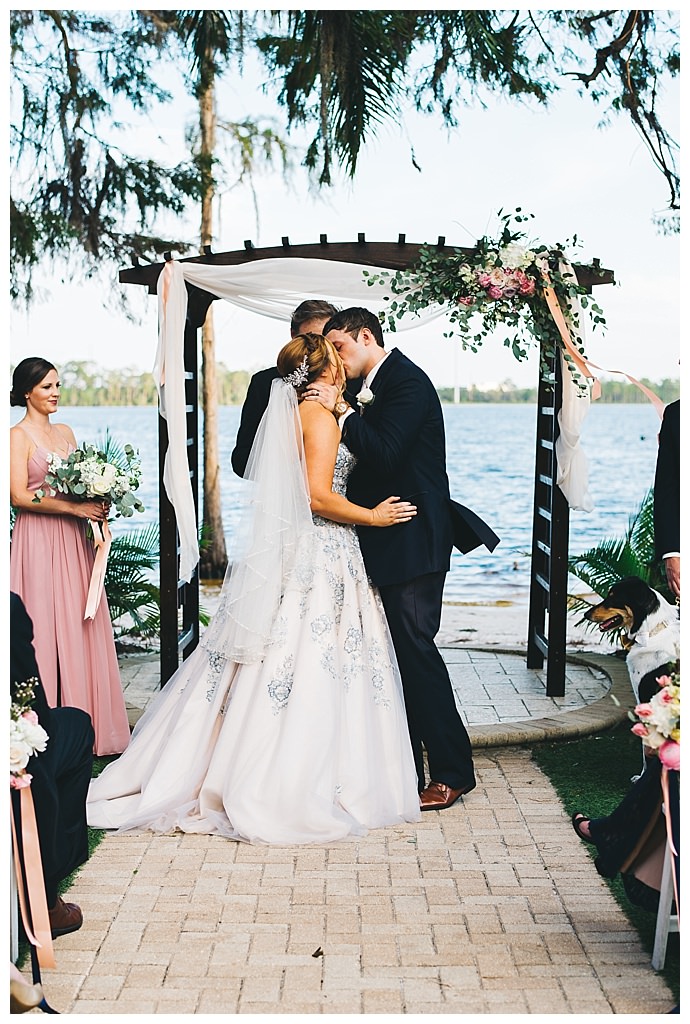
299	376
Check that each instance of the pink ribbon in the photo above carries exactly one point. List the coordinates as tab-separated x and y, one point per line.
584	366
165	292
30	882
102	539
669	838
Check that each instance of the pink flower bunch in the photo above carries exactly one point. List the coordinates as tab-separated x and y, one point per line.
658	722
506	283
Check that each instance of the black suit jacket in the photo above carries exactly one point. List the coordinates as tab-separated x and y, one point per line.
254	407
667	483
255	402
400	444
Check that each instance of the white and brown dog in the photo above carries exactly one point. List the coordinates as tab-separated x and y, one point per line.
652	626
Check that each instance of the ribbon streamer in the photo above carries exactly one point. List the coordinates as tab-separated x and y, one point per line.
669	837
584	366
30	882
102	539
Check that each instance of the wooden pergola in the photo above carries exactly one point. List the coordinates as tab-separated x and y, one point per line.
179	632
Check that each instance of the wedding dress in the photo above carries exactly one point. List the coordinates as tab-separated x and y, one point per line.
297	737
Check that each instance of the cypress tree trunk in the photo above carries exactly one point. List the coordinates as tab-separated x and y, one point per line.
213	559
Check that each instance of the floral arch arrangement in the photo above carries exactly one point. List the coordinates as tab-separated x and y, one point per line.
528	287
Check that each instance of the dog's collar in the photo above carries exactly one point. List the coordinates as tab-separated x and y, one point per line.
644	635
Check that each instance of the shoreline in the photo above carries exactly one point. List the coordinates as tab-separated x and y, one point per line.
503	623
498	622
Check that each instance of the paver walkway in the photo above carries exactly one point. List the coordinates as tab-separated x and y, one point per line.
492	906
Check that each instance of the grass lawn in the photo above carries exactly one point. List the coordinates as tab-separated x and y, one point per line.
592	775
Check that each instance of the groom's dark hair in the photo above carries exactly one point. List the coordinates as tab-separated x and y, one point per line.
352	320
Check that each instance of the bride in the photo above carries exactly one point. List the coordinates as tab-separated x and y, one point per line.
287	723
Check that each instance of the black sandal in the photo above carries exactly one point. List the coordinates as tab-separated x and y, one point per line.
577	819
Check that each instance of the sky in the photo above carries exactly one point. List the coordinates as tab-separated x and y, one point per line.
575	178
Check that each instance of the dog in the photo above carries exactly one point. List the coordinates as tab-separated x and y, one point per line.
652	631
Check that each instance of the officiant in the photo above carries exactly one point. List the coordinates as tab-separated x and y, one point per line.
308	318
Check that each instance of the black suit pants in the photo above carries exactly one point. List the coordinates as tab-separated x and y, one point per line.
413	611
60	781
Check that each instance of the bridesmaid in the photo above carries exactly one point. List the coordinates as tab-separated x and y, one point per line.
51	559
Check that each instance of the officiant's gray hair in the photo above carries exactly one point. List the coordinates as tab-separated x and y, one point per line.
308	310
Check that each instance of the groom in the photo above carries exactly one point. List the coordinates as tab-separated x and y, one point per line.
399	441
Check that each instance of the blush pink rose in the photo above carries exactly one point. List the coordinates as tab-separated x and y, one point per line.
669	755
31	716
639	729
20	781
664	681
644	710
484	280
495	292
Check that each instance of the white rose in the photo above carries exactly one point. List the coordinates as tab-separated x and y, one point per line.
20	752
365	396
664	717
102	484
35	735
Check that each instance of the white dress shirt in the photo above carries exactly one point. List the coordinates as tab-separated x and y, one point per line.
367	384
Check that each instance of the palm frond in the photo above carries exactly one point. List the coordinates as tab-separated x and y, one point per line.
130	591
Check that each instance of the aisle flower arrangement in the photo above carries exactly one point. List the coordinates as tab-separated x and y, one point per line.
500	283
27	737
657	722
89	473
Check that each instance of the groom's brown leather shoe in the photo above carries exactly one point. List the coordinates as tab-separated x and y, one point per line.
64	918
437	796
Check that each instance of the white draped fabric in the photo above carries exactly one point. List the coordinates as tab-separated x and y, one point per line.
572	466
271	287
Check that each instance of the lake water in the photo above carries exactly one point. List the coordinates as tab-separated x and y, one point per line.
490	458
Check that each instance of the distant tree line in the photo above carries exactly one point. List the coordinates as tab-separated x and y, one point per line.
85	383
619	392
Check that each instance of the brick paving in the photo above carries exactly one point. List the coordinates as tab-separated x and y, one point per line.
492	906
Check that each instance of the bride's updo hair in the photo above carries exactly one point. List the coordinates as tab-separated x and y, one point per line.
26	376
305	358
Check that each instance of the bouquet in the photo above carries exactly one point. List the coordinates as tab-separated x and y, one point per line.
27	737
657	723
88	472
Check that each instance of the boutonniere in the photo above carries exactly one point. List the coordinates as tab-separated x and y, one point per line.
365	397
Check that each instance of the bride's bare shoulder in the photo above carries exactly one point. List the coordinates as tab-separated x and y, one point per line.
316	418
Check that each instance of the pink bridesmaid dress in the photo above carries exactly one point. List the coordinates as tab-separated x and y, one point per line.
50	568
